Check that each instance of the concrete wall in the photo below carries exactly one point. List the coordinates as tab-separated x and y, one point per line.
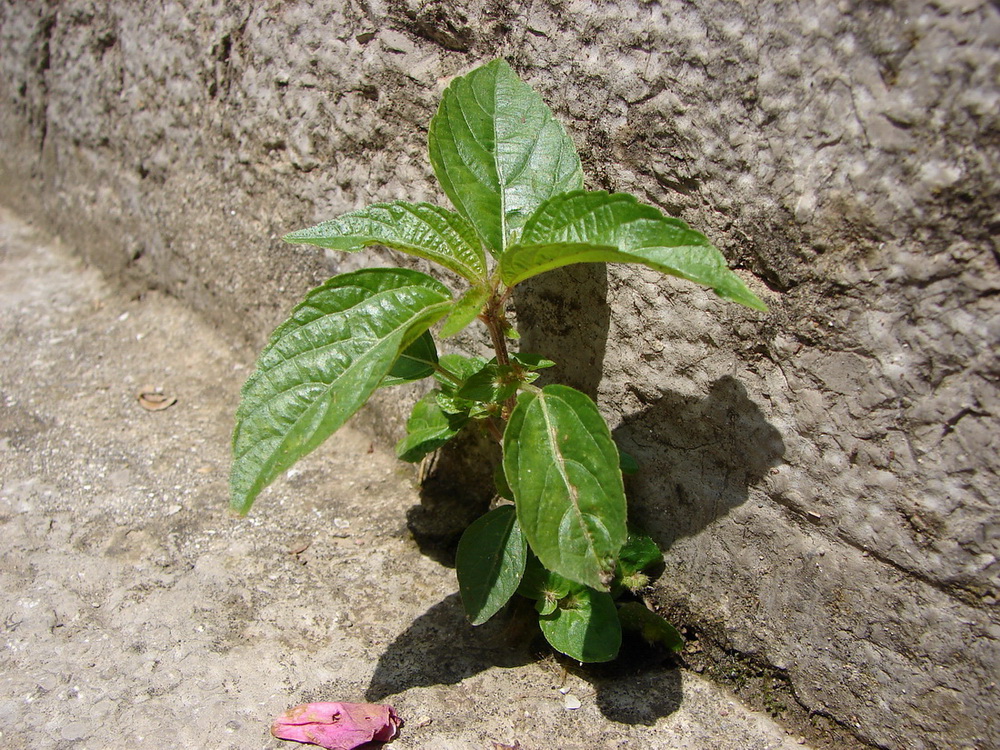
825	476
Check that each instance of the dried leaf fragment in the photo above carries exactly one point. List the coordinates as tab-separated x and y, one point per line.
301	547
337	726
152	398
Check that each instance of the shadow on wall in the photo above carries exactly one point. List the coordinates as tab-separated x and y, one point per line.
698	457
441	648
564	315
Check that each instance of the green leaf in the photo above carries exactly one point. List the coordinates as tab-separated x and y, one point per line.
546	606
627	462
415	363
498	152
466	310
584	626
460	366
591	227
640	552
539	583
428	428
451	404
500	482
492	383
562	466
490	561
419	229
322	364
532	361
652	627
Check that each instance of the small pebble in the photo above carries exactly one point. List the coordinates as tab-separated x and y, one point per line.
572	703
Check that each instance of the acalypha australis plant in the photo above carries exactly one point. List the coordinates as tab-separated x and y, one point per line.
560	535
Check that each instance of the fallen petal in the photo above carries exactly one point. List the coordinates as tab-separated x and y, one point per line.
152	398
337	726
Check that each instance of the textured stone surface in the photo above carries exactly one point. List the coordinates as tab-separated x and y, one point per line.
826	476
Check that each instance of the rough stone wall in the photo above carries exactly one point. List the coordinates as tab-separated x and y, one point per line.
824	476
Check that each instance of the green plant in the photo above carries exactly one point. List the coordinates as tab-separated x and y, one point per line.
515	179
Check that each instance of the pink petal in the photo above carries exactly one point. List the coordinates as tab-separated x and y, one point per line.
337	726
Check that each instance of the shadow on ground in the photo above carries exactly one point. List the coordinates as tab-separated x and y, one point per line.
441	648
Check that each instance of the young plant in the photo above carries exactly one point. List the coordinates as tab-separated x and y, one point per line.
515	179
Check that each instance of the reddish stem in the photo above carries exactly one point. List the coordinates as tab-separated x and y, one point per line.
496	323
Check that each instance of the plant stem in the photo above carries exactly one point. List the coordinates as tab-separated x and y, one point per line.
494	318
496	323
494	430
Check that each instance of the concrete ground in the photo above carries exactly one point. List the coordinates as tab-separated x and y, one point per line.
137	612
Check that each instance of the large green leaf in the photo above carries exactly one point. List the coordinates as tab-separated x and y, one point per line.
322	364
584	626
419	229
490	562
498	151
590	227
562	467
428	428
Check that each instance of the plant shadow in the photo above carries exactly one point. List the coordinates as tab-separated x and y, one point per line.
456	487
564	314
441	648
698	457
641	686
